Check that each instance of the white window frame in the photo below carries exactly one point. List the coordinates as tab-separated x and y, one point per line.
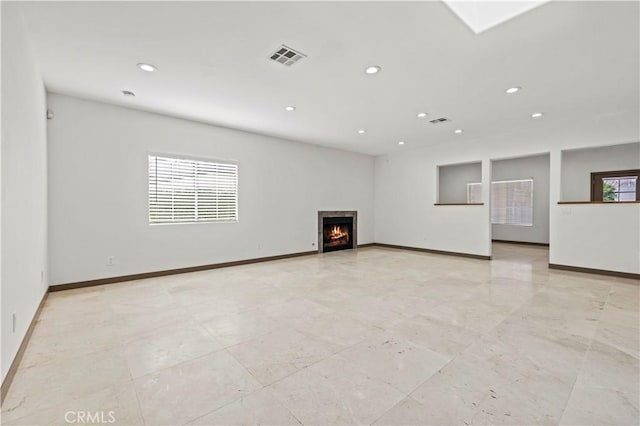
196	220
506	216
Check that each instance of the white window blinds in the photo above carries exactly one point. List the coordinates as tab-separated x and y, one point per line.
185	190
474	192
512	202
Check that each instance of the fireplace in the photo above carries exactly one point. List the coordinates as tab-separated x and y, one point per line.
337	230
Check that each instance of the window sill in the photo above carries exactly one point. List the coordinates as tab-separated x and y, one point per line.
458	204
598	202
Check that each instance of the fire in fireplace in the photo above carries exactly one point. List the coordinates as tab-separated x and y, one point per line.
337	232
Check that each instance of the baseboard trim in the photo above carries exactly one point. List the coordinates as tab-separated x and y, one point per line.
432	251
594	271
527	243
133	277
6	383
366	245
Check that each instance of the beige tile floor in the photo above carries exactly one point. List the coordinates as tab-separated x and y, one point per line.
374	336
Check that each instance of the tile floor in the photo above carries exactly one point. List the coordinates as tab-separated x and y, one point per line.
376	336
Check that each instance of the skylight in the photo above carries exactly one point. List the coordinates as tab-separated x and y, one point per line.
480	15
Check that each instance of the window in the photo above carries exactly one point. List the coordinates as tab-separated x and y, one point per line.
474	192
184	190
615	186
512	202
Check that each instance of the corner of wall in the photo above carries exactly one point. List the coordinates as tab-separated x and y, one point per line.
23	279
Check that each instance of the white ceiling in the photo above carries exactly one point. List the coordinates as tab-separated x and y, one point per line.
575	61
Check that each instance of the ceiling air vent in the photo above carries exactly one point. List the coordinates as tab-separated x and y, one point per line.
440	120
287	56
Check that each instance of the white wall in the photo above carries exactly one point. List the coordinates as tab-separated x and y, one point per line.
24	185
405	186
98	187
598	236
578	164
537	168
453	180
405	190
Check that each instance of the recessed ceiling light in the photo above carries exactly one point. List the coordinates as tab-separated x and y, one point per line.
401	143
537	114
147	67
289	108
511	90
372	69
361	131
422	114
128	93
458	131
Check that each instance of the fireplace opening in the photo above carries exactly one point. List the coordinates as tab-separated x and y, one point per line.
337	233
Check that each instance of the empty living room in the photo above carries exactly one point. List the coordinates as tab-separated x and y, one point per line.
320	212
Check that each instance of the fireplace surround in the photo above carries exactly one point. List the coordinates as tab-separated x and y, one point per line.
337	230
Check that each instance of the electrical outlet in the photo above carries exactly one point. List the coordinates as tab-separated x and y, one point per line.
13	322
111	260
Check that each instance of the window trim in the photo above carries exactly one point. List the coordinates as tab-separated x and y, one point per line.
192	158
596	184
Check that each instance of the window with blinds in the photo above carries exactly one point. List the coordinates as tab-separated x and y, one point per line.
185	190
474	192
512	202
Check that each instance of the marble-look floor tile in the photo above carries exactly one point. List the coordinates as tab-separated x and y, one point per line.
232	329
47	385
341	338
624	337
546	352
523	404
601	406
295	309
477	316
395	360
168	347
278	354
76	342
333	392
455	392
444	338
413	413
257	408
340	330
179	394
116	405
608	367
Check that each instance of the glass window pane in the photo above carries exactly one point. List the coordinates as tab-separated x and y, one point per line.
613	182
627	196
628	184
610	189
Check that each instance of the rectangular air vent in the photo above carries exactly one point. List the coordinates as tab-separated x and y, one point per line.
287	56
440	120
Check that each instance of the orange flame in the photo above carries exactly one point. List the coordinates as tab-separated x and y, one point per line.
336	233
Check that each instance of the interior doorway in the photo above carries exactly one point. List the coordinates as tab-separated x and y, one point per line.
519	207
